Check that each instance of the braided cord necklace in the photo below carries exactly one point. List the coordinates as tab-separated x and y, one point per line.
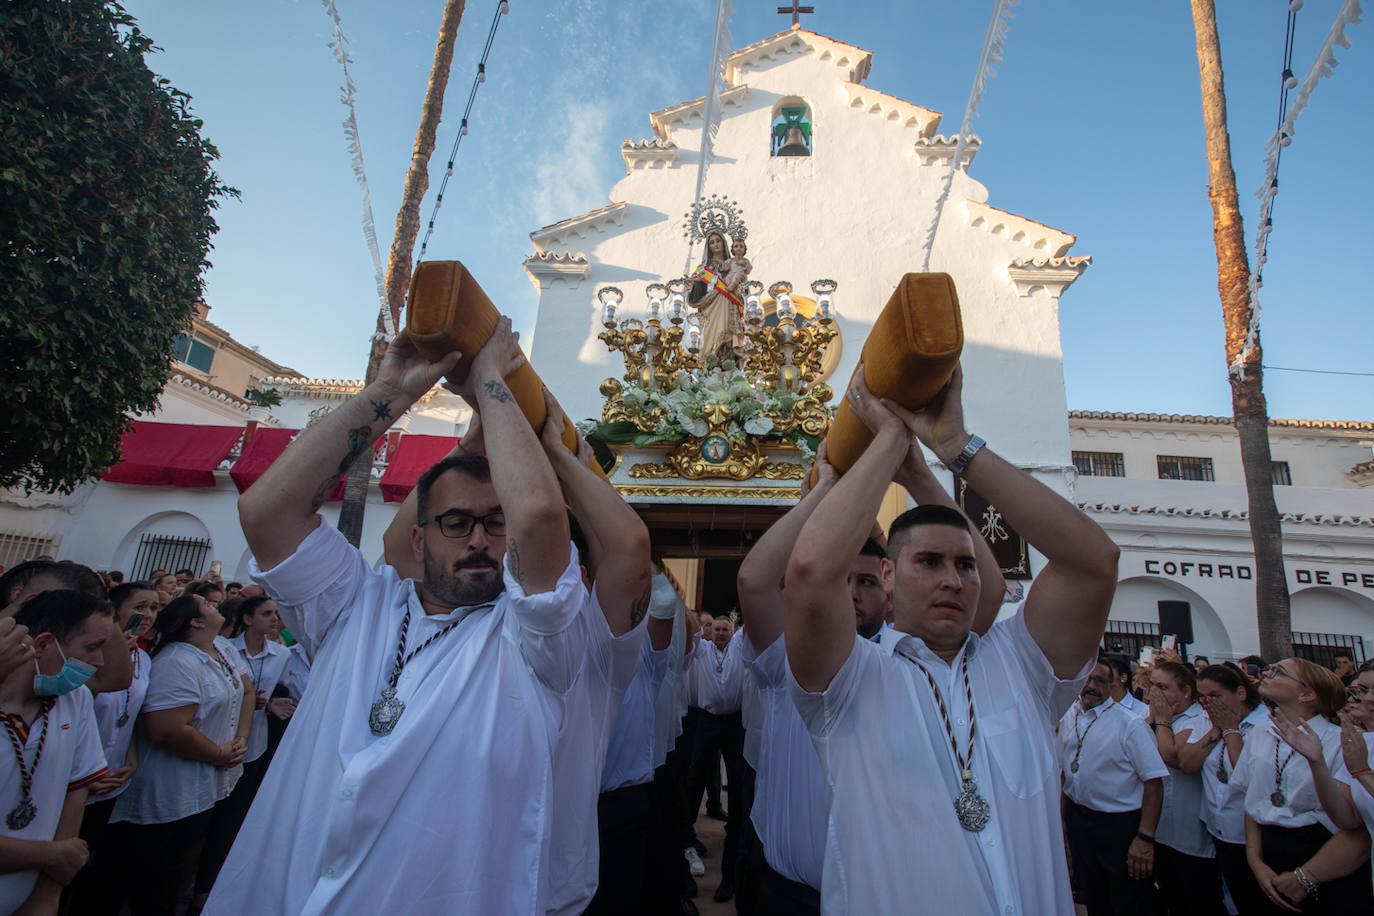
969	806
386	712
1277	798
1073	766
123	719
23	813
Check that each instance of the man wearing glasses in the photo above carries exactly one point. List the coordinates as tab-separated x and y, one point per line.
417	688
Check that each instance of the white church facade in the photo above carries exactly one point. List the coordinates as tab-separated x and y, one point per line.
851	200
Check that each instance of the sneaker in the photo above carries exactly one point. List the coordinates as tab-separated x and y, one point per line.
694	863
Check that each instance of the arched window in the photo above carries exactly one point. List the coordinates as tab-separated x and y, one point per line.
791	128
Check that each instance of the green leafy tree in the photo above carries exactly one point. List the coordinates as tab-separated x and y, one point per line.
106	196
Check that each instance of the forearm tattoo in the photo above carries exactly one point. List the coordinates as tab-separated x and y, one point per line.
496	391
513	559
640	606
381	410
358	440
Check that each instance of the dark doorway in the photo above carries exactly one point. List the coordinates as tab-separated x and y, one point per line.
718	595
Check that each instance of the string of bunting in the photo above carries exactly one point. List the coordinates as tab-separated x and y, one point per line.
355	149
1324	66
999	26
720	53
502	8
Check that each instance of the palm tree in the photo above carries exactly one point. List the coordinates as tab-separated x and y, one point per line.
402	249
1247	379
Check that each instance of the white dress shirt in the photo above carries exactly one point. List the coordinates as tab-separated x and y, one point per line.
297	672
266	670
451	812
894	843
718	675
109	707
1180	821
72	757
1223	803
1132	705
630	751
1254	776
670	705
167	787
1364	802
589	715
789	812
1118	756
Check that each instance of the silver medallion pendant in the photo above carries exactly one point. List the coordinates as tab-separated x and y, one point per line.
386	712
22	815
1073	767
1277	798
969	806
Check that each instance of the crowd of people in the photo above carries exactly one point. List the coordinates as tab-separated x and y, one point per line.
517	712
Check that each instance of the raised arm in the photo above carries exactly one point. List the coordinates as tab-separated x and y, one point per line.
760	581
279	511
1067	606
616	537
819	617
915	476
536	523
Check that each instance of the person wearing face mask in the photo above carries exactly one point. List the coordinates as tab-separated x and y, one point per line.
52	748
196	718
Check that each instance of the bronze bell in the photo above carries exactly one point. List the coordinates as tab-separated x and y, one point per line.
794	143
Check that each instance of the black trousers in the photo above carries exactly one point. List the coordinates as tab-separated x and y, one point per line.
720	735
94	821
1240	880
1099	842
781	896
749	852
225	822
1189	885
146	865
671	886
1285	848
622	818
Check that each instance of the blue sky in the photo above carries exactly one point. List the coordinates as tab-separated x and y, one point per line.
1093	125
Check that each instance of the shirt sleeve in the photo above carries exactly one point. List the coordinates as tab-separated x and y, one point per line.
88	763
549	626
173	681
1053	694
822	710
770	666
1142	750
315	584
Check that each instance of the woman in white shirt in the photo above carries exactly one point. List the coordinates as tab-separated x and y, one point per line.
136	606
1232	702
1185	859
196	717
255	619
1290	840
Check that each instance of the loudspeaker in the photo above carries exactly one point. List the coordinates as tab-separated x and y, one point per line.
1176	618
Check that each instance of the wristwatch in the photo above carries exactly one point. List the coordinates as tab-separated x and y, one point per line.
973	447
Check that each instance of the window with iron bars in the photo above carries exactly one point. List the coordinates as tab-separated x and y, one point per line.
1127	637
1280	475
16	548
1180	467
160	551
1100	464
1323	648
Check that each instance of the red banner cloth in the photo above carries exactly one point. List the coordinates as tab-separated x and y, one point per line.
414	455
172	454
264	447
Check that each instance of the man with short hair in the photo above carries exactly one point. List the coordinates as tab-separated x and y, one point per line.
184	576
1345	669
870	587
789	809
53	751
1113	794
459	680
937	727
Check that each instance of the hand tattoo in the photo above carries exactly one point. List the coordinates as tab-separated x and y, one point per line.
496	391
358	440
381	410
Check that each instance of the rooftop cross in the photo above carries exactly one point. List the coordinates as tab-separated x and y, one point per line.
795	10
